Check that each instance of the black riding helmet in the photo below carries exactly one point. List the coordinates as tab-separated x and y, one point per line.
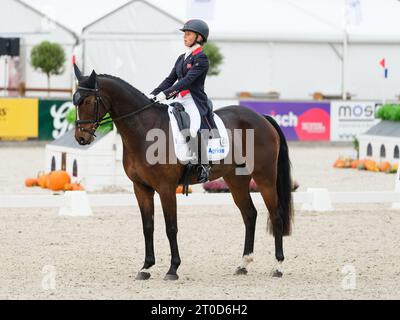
198	26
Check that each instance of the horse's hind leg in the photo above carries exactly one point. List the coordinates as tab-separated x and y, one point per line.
239	187
267	188
145	198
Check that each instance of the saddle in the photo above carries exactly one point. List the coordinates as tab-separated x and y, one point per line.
182	118
186	128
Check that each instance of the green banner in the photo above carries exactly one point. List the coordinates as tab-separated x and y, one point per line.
52	121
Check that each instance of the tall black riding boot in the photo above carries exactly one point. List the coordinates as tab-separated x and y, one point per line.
203	168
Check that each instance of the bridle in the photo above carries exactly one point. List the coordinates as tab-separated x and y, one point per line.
82	93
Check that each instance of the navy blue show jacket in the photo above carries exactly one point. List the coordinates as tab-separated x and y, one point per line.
190	74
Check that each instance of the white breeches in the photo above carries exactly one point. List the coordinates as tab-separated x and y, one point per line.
191	109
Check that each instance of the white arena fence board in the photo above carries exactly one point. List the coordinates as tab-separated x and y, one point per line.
196	199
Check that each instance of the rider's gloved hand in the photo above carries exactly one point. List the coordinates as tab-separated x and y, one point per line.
161	97
151	96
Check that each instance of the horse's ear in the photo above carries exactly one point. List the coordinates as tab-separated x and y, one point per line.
78	73
91	82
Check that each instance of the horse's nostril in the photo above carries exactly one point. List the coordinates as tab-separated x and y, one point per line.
81	140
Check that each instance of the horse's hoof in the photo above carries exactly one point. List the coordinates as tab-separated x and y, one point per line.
143	276
277	274
241	271
171	277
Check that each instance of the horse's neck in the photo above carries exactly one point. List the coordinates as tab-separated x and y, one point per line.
134	129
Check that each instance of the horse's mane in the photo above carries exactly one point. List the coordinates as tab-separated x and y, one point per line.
128	87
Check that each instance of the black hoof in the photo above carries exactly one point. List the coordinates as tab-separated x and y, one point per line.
241	271
171	277
277	274
143	276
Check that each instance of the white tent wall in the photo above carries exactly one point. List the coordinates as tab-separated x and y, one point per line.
33	28
137	61
290	69
365	77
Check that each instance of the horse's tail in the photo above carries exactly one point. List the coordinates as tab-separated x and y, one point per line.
284	180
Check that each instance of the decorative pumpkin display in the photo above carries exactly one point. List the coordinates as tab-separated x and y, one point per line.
55	180
31	182
366	164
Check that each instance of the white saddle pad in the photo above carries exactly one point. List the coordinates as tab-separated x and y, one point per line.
217	148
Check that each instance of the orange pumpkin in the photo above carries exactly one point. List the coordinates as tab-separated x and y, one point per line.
68	187
77	187
31	182
384	166
57	180
42	179
371	165
339	164
354	164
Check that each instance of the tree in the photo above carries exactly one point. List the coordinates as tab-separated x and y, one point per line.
215	58
48	58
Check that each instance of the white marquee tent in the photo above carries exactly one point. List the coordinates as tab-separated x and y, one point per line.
294	47
17	19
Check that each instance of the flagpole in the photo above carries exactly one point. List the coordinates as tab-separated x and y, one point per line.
383	87
344	65
344	55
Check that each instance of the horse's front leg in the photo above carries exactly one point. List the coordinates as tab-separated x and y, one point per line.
168	202
145	198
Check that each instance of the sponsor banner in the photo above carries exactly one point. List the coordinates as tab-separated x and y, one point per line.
18	118
304	121
52	118
351	118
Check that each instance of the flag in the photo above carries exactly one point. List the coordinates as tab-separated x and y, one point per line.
200	9
353	12
385	70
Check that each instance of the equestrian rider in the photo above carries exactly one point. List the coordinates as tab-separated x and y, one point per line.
185	84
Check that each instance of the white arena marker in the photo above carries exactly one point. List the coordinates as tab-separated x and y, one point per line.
76	204
320	200
396	205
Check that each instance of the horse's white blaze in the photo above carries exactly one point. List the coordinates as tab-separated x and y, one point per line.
246	260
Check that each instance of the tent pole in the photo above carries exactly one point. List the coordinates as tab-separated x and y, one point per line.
344	65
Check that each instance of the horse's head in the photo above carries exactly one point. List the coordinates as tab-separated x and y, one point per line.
90	107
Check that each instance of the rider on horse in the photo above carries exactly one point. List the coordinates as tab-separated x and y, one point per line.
185	84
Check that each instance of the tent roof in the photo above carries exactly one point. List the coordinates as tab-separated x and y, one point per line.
68	140
385	128
31	22
135	17
26	26
272	20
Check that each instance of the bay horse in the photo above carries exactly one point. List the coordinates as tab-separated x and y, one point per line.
134	115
